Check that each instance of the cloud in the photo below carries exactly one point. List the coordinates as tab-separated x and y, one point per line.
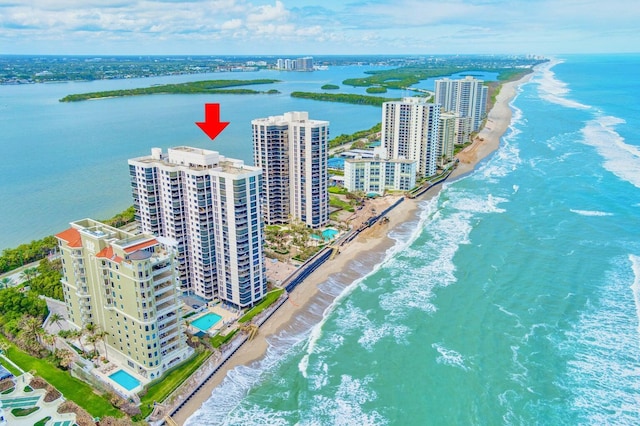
310	26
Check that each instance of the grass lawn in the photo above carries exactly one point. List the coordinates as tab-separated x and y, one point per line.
268	300
160	389
72	388
219	340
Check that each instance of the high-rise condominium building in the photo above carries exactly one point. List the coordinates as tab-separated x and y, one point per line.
210	206
466	97
125	284
410	130
292	152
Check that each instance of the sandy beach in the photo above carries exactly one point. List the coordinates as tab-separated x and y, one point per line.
373	241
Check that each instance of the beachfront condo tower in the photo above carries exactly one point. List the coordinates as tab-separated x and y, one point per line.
125	285
466	97
410	131
292	152
209	206
379	174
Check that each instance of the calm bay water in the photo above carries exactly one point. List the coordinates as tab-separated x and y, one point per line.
513	299
66	161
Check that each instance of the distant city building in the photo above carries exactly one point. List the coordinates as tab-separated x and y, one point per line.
299	64
292	152
378	174
410	130
466	97
125	284
210	205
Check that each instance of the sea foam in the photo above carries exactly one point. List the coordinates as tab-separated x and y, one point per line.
553	90
620	158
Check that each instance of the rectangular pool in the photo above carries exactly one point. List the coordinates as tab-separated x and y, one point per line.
206	321
125	380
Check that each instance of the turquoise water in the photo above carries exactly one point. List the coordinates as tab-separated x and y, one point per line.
66	161
512	298
125	380
206	321
326	235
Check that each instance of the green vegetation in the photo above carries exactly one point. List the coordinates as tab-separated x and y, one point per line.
337	202
22	412
266	302
344	139
26	253
161	388
219	340
72	388
206	86
17	308
377	89
330	87
337	190
27	389
400	78
342	97
42	422
47	281
123	218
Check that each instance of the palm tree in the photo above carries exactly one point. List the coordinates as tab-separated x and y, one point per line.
50	340
65	356
77	334
56	318
102	335
29	273
6	282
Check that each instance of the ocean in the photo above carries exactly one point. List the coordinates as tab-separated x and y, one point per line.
513	298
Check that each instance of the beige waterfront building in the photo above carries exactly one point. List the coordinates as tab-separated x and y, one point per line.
209	205
125	285
292	151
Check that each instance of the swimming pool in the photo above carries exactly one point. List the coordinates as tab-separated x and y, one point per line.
206	321
125	380
327	235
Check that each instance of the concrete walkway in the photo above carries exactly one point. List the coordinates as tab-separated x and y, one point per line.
19	398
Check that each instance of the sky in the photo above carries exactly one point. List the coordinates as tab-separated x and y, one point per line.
320	27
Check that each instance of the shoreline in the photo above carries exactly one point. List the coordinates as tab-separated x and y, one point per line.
374	242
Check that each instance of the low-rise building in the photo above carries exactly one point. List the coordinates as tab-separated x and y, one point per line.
379	174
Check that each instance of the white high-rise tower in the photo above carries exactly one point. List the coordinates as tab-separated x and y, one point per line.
410	130
210	206
292	152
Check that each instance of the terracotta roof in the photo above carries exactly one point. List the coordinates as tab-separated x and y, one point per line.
71	236
107	252
141	246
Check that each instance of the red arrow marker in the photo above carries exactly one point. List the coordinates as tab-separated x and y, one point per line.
212	125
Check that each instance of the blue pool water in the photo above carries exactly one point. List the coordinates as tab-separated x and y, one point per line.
206	321
327	234
125	380
335	163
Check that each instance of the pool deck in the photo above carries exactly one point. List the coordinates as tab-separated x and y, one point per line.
227	317
13	399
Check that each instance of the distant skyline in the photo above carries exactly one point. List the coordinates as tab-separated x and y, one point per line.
320	27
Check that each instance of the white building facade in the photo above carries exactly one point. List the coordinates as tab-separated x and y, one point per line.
466	97
210	206
292	152
377	175
410	130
